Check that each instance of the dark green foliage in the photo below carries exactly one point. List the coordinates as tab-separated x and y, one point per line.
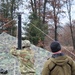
33	34
8	8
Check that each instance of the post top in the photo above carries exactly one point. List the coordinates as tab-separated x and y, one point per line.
19	13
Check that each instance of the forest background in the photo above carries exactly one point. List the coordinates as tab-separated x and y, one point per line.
42	21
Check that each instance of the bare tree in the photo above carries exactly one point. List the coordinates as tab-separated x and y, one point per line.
56	10
44	10
69	4
32	5
35	10
8	9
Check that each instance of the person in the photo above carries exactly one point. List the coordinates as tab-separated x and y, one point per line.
26	58
59	63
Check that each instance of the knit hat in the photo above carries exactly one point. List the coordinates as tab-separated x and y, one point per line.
55	46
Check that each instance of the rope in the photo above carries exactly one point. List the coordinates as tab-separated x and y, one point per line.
8	22
52	39
42	32
46	35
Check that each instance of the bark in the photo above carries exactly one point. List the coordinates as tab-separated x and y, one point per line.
35	9
12	8
32	5
39	10
45	1
55	20
69	14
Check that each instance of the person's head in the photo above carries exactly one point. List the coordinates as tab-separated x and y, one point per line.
55	46
26	43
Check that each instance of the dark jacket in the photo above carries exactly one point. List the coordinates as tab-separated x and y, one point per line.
64	66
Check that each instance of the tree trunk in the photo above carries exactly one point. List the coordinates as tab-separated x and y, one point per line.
69	13
35	9
32	5
45	1
12	3
55	21
72	32
39	10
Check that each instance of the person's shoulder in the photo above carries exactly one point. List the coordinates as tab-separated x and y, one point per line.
48	61
69	57
70	60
